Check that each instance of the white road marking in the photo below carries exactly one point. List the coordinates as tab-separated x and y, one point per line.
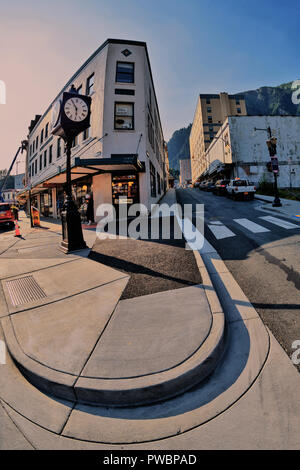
215	222
280	222
220	231
252	226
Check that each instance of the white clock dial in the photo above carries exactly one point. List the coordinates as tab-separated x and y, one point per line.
76	109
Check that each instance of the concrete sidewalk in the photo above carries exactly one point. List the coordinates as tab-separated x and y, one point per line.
83	350
289	207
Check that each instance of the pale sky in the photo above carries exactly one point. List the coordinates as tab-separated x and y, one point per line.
195	46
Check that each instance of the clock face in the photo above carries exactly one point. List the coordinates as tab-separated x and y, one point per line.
76	109
55	113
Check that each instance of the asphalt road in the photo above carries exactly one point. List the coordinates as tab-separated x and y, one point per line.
154	265
263	255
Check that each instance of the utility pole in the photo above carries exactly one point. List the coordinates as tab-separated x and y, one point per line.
272	147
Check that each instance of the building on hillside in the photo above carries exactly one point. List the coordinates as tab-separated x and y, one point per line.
120	159
185	171
240	150
211	112
13	186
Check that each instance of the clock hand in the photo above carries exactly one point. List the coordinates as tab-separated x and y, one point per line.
75	106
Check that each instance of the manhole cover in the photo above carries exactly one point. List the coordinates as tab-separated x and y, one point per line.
24	290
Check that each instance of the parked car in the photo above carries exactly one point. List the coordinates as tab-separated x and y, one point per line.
220	187
202	185
210	186
6	215
238	188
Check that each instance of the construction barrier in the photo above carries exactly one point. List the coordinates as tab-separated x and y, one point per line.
35	217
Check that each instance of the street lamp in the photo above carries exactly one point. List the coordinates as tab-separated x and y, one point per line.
272	147
71	116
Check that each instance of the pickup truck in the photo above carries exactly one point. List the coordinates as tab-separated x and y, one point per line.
238	188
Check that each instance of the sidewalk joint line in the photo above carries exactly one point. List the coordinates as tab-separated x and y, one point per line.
67	297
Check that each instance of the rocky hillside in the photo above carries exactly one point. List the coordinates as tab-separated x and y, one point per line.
271	101
265	101
178	146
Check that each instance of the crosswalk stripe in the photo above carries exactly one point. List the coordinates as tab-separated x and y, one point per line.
252	226
220	231
280	222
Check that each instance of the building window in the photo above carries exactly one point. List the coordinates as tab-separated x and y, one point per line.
125	72
50	154
209	119
86	133
158	184
90	84
209	109
33	146
58	149
122	91
239	110
37	142
45	158
211	128
42	136
150	131
152	180
41	162
75	141
207	101
35	167
124	116
237	102
46	130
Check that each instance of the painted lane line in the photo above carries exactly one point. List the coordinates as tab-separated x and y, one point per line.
221	231
252	226
215	222
280	222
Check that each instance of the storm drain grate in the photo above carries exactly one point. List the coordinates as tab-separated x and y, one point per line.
24	290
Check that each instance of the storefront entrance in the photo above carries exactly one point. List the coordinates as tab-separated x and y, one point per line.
125	190
46	204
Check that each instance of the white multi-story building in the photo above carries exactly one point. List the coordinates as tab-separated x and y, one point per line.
239	150
120	158
185	171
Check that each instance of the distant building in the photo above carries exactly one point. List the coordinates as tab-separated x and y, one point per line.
211	112
13	186
120	159
241	151
185	171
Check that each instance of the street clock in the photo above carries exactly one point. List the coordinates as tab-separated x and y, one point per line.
71	115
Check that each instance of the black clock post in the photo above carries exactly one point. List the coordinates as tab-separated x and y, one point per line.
73	117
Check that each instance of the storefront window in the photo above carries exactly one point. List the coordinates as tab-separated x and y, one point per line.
125	189
152	180
46	204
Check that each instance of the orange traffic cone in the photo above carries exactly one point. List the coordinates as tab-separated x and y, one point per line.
17	230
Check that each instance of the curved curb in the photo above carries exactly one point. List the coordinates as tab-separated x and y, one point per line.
122	392
230	381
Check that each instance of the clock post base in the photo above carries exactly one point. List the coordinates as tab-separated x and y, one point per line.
71	229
